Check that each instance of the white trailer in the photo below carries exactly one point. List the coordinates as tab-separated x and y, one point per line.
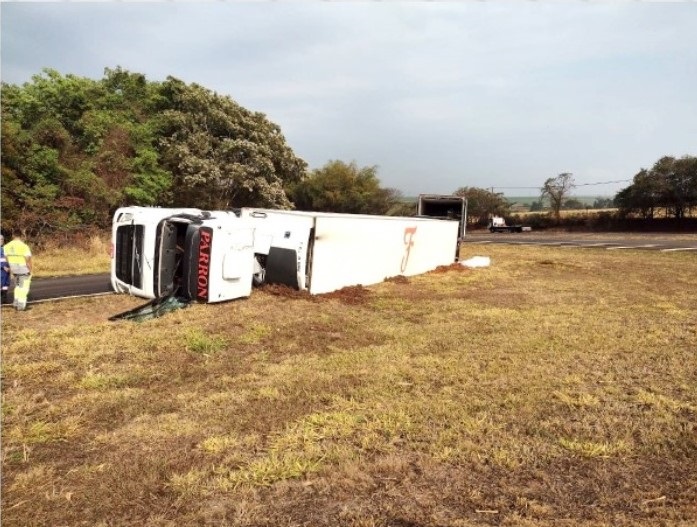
212	256
444	206
327	251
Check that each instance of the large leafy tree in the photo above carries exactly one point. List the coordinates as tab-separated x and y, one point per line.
123	137
47	181
556	190
482	203
647	193
671	185
680	176
74	149
220	154
344	187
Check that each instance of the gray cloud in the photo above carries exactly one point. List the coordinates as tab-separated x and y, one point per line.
438	95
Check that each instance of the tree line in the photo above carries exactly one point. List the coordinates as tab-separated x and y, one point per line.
74	149
670	185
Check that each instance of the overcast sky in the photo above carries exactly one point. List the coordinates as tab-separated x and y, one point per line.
437	95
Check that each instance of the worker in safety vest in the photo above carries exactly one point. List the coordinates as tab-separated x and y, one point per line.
5	272
18	257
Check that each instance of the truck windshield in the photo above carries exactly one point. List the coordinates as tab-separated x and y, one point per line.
171	243
129	254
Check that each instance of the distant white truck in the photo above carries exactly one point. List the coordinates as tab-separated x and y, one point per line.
498	224
213	256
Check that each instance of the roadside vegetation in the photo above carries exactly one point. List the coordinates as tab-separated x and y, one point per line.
74	149
558	386
81	255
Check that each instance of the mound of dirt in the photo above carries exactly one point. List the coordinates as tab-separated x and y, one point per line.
352	295
284	291
399	279
452	267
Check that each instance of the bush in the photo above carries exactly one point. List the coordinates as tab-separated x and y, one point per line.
599	221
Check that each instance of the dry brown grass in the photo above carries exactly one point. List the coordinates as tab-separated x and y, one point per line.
78	257
557	387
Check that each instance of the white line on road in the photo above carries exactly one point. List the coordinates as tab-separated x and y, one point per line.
619	247
679	249
55	299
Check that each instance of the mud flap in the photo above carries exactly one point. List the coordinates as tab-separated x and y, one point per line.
153	309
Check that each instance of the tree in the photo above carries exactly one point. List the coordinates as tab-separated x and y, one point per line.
573	204
681	182
481	203
344	187
645	195
556	189
671	184
74	149
220	154
78	148
536	206
42	161
603	203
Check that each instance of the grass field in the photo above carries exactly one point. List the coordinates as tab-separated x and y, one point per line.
89	256
556	387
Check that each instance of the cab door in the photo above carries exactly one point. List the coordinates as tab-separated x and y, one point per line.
219	260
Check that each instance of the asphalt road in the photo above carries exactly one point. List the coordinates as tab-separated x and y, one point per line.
44	289
610	242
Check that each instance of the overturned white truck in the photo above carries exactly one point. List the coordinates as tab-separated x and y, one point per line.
213	256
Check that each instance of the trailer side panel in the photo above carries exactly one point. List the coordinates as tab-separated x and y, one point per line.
352	250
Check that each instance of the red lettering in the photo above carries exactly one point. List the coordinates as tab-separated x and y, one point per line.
202	286
205	239
204	259
409	233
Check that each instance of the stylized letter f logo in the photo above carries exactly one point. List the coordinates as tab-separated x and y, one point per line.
409	243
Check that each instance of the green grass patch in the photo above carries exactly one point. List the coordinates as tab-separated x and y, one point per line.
199	342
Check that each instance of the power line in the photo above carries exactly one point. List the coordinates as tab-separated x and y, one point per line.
575	185
514	188
602	182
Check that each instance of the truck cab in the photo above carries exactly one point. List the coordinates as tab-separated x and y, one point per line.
157	252
498	224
